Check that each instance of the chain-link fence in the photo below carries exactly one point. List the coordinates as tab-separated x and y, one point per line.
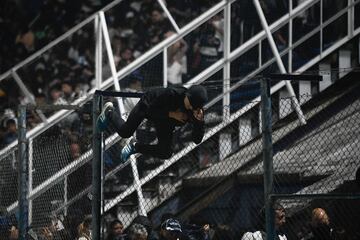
220	182
57	175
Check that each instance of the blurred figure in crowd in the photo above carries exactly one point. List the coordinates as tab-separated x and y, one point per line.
170	229
11	132
116	230
177	61
84	231
280	220
321	227
137	232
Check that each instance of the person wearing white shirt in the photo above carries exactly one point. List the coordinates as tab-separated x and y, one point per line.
280	220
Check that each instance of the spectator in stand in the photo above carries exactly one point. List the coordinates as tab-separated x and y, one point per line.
321	227
75	150
208	45
68	93
280	220
55	94
199	230
116	230
126	57
117	46
217	23
158	26
170	229
8	226
27	38
14	233
145	221
84	229
11	132
54	229
137	232
177	61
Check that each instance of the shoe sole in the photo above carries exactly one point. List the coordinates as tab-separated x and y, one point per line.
106	106
102	116
126	143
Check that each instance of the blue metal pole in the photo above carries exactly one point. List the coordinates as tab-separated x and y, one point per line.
267	157
96	171
23	173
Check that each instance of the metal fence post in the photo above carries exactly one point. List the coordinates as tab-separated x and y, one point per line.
267	156
23	181
96	170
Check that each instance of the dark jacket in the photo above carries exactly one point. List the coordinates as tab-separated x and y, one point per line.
158	102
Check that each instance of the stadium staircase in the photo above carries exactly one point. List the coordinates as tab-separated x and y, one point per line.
166	175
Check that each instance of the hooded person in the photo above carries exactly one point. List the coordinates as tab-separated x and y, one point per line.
166	108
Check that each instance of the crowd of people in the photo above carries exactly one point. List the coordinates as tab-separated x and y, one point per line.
63	74
318	226
66	72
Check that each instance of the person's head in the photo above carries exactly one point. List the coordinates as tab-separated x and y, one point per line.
170	229
280	218
137	232
145	221
75	150
13	233
126	54
177	45
55	92
11	125
8	228
319	216
156	16
195	97
40	98
66	88
116	228
84	227
135	80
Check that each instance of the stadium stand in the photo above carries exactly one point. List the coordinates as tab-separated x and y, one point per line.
66	73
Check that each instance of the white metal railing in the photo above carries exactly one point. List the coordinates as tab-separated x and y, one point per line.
147	56
222	63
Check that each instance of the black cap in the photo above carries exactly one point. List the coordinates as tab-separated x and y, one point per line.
171	225
197	96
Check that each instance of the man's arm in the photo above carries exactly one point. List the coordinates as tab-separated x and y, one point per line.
198	131
198	126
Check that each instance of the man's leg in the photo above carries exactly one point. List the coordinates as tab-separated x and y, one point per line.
163	149
124	128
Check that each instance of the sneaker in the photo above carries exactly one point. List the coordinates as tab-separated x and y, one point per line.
102	120
128	150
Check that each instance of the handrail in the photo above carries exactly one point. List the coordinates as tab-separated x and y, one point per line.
56	41
156	50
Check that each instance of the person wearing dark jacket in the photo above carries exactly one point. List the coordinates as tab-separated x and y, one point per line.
166	108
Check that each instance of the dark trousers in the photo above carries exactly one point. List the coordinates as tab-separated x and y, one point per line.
164	132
